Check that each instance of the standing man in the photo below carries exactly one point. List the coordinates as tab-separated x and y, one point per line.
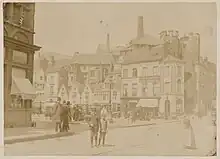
103	129
94	127
57	115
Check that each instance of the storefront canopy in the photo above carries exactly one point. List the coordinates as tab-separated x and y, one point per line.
150	103
22	87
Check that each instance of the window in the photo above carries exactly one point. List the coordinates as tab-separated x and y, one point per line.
179	106
167	87
74	95
51	89
179	71
125	90
144	73
155	70
72	78
156	88
105	72
16	101
92	73
134	89
86	97
179	89
19	57
125	73
166	71
16	13
134	72
26	20
105	96
18	72
52	79
41	77
107	85
114	95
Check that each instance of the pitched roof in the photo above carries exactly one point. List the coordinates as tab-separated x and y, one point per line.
144	55
147	39
102	48
210	66
58	65
93	59
170	58
79	86
93	87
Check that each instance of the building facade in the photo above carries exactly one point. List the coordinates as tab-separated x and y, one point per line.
205	85
19	52
152	81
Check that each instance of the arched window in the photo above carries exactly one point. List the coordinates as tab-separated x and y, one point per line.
134	72
179	106
179	86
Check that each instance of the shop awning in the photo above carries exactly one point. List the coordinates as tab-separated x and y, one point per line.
132	101
22	87
150	103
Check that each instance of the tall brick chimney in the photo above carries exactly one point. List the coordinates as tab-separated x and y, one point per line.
140	27
108	42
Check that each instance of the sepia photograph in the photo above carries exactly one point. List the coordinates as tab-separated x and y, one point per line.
110	79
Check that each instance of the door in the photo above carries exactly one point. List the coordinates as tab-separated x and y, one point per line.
167	108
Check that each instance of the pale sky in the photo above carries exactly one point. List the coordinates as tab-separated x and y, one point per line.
66	28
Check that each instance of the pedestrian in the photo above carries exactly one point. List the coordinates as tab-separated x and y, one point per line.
57	115
189	136
94	128
66	116
103	130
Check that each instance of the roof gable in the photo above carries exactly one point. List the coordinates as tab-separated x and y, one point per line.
94	59
171	58
144	55
147	39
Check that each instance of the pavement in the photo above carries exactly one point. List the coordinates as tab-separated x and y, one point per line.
45	130
164	139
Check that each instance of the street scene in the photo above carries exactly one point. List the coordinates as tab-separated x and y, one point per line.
127	80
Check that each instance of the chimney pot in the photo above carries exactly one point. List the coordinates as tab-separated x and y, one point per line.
140	29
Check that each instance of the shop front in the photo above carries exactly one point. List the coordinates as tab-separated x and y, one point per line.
148	107
18	78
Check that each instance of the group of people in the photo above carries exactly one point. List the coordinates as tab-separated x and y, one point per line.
62	115
98	123
98	127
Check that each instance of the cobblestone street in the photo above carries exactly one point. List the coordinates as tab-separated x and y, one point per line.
161	139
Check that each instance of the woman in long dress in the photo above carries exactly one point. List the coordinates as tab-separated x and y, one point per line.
189	139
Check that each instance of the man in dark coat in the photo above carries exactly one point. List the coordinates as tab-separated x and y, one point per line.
94	127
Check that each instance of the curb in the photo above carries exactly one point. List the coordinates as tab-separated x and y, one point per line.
140	125
42	137
65	134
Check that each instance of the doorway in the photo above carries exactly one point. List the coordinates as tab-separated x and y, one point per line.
167	108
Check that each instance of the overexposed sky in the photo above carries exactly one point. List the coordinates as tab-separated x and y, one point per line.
66	28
